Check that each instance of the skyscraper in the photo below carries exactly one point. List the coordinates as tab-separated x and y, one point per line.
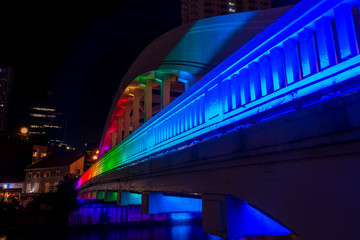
6	78
46	124
192	10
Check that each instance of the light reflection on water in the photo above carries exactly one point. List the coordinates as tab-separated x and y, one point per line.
170	232
165	232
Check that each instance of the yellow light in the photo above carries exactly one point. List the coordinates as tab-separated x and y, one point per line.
24	130
97	151
5	186
94	157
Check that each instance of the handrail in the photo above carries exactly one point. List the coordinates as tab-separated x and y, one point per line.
311	47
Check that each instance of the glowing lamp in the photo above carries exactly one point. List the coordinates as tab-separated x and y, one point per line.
24	130
97	151
94	157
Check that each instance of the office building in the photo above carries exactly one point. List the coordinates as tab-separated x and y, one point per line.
192	10
46	125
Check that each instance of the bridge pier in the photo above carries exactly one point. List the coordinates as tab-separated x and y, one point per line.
229	217
157	202
127	198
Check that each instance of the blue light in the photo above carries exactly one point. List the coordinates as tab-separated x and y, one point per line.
208	106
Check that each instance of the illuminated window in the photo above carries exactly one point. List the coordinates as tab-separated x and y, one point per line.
35	154
43	155
231	4
231	9
42	115
37	187
46	174
28	188
44	109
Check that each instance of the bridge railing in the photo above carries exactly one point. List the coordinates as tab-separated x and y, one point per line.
315	45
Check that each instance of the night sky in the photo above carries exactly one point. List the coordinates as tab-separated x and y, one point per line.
74	55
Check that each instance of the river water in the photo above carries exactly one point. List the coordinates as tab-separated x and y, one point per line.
161	232
164	232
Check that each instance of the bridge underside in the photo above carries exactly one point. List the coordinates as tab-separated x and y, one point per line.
300	168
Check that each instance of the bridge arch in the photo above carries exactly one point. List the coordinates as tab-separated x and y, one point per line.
187	52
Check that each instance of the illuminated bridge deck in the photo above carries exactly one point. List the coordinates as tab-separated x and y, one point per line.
276	125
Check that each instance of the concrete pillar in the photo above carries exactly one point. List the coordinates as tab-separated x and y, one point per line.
165	83
128	105
230	217
148	101
187	78
136	94
120	129
118	198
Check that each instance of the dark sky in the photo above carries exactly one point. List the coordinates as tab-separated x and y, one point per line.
78	52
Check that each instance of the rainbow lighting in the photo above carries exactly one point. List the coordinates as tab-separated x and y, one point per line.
308	55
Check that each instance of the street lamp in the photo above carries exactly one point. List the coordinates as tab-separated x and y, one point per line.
24	131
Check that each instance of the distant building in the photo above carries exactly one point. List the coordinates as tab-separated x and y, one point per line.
90	155
192	10
39	152
46	125
6	79
45	175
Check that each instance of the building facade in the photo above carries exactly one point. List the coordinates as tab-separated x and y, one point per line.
45	175
192	10
6	79
46	124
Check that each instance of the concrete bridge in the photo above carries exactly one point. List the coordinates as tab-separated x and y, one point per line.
266	143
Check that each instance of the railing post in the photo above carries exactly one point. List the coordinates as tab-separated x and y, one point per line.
292	61
345	31
244	86
307	52
278	67
235	90
254	81
325	42
265	75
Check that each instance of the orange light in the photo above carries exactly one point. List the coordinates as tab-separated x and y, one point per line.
24	130
97	151
94	157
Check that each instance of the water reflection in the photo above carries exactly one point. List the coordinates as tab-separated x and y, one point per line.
173	232
184	231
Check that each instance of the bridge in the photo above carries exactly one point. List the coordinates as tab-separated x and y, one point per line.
266	143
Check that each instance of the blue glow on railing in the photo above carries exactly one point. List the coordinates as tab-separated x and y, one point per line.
273	69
